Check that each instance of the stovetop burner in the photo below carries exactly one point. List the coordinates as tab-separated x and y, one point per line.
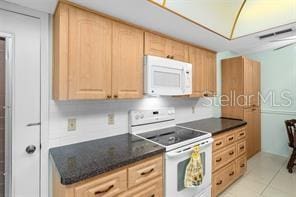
171	135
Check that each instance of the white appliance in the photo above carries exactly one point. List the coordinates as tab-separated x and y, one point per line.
158	126
167	77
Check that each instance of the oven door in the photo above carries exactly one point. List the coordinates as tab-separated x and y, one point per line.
176	163
167	77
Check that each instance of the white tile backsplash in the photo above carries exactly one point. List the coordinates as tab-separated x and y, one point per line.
92	116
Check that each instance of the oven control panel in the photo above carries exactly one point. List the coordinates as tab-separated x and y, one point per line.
140	117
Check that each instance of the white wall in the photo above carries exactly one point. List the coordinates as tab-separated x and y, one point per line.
92	122
278	74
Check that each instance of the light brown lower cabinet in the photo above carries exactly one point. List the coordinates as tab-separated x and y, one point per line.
143	178
229	159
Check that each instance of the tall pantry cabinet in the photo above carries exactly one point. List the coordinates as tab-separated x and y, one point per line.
241	99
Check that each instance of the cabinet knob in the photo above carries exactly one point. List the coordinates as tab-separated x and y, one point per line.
172	57
232	173
169	56
108	96
219	183
115	96
206	94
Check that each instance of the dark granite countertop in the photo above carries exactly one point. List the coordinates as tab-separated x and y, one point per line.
214	125
80	161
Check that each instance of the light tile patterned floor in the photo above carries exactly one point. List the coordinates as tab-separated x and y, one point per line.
266	176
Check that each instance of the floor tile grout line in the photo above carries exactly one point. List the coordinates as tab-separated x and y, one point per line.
273	177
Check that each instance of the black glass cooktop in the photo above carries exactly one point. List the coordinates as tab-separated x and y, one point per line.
171	135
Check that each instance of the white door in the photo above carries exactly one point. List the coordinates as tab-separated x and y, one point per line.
25	101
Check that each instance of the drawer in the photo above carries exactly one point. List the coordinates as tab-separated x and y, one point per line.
241	147
230	138
241	133
152	188
241	165
218	143
223	178
224	156
144	171
108	186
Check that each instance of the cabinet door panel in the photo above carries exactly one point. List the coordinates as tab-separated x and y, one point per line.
178	51
253	130
198	72
248	82
156	45
127	62
256	83
89	55
211	73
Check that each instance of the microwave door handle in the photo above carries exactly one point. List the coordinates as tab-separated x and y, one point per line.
184	83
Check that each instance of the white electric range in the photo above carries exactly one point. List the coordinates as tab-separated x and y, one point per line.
158	126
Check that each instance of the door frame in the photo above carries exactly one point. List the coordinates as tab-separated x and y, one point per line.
9	57
45	73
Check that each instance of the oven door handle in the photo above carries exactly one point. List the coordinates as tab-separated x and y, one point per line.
185	150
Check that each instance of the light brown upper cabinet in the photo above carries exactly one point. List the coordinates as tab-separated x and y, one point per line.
95	57
90	38
127	65
203	72
163	47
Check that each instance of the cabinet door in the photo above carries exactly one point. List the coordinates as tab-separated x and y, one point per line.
210	62
89	55
178	51
156	45
253	130
255	101
248	82
127	62
256	141
198	72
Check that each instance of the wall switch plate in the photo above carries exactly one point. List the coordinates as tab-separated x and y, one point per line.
72	124
193	109
110	119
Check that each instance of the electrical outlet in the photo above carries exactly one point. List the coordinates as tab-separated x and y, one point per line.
72	124
110	119
193	109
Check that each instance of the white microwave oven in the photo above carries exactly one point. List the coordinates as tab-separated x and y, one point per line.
167	77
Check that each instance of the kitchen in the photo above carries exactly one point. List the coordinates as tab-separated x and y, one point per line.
123	103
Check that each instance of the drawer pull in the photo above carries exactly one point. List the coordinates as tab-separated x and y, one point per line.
218	144
104	191
219	183
243	165
146	173
231	153
230	139
152	195
232	173
218	160
242	147
241	134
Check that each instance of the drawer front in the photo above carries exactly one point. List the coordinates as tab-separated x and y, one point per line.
230	138
144	171
218	143
223	178
108	186
241	165
151	189
241	147
224	156
241	133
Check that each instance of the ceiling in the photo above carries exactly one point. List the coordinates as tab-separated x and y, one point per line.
234	18
152	16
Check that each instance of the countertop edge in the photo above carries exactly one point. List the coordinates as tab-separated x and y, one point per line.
72	180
